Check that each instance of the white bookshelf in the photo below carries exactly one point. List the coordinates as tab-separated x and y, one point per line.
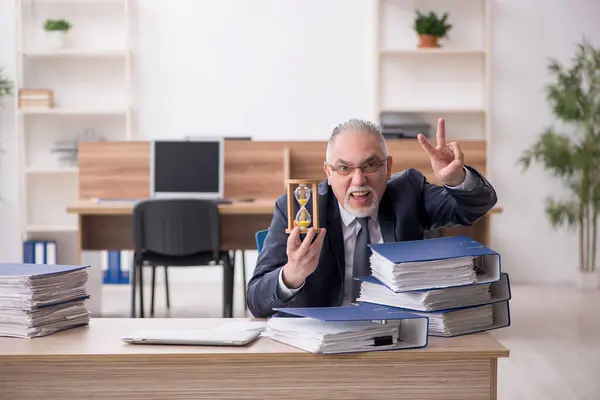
91	81
452	81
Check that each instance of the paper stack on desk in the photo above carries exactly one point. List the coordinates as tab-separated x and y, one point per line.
38	299
456	282
348	329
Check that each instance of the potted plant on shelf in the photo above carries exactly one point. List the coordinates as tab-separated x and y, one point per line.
574	157
431	28
56	31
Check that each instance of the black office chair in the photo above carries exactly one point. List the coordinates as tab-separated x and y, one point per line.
178	232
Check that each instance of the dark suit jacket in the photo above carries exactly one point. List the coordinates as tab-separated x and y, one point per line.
409	207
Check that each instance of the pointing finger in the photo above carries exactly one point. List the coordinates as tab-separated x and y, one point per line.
441	133
426	145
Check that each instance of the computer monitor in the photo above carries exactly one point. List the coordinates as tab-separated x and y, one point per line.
187	168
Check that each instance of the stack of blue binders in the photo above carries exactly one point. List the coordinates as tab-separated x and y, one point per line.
456	282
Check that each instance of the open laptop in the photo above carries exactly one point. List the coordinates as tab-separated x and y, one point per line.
207	337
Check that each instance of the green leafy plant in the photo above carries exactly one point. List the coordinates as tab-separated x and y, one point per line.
574	157
6	85
432	24
57	25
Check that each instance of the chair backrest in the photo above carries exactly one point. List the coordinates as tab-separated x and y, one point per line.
260	239
177	227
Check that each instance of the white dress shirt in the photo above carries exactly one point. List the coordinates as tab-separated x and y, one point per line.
350	229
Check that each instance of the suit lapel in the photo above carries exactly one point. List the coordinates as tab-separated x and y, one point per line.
386	219
329	217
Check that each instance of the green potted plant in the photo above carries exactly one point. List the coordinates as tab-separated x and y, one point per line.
56	31
574	156
6	86
430	28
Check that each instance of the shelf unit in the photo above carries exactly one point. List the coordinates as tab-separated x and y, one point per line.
91	82
452	81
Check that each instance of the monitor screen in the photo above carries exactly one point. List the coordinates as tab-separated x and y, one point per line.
188	168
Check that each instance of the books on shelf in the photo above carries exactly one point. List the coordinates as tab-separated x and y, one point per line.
348	329
455	282
38	300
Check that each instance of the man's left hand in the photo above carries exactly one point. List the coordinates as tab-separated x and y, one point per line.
447	160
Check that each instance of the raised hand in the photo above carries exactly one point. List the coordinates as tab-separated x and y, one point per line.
447	160
303	256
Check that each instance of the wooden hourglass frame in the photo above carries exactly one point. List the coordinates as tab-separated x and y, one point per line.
302	191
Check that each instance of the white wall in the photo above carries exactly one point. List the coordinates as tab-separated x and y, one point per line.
526	33
299	79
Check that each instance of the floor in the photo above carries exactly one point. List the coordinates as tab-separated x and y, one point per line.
554	338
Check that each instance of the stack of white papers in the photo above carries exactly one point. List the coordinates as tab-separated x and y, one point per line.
38	300
425	300
318	336
419	275
461	321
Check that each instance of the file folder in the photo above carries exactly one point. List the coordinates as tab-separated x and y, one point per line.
376	292
349	329
500	318
434	263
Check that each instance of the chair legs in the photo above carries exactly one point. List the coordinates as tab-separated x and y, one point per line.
228	274
244	280
167	286
153	290
134	273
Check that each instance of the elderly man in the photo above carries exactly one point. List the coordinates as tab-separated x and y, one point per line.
362	203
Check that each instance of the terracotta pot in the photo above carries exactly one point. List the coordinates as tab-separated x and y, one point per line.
428	41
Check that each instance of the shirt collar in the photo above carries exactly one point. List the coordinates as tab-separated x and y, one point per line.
348	218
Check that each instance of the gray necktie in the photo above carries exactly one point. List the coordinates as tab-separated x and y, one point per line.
362	252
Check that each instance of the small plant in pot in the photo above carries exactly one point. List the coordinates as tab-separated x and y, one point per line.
431	28
56	31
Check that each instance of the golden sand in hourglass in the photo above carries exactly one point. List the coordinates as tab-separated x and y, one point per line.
301	192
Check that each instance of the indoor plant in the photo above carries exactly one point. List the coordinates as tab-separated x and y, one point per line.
6	85
431	28
574	157
56	31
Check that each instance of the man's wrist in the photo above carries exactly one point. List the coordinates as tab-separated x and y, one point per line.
289	280
459	181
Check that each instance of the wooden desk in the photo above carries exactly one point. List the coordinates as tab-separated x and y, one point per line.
108	226
92	362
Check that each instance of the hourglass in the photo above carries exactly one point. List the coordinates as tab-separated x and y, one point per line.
302	191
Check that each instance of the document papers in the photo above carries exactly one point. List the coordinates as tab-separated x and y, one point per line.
372	291
38	299
454	281
433	263
348	329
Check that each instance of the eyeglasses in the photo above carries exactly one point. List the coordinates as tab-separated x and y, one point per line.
368	168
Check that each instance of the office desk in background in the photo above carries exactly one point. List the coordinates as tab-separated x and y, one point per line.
92	362
108	226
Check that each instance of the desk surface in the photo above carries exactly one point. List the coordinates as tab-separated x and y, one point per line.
255	207
102	338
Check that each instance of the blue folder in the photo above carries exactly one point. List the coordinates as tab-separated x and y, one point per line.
412	330
487	261
432	249
500	291
36	270
33	271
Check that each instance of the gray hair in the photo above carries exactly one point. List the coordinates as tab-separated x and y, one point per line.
357	125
